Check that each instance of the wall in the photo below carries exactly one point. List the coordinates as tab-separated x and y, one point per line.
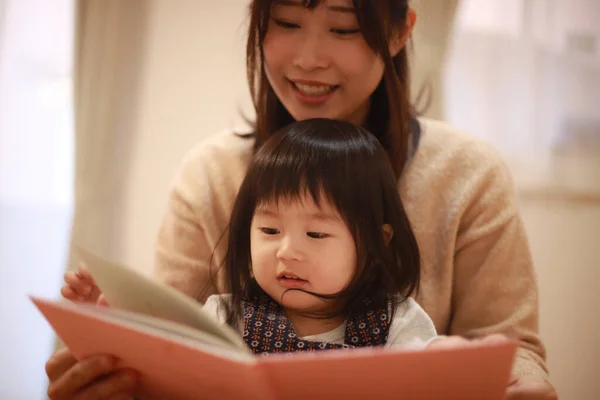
193	85
36	145
564	241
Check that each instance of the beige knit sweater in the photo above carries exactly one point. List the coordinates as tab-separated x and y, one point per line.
477	272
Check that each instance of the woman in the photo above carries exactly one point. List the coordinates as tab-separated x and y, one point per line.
348	60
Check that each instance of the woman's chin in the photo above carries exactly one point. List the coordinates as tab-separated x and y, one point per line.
300	112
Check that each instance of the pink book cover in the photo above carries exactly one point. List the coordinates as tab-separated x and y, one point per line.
173	366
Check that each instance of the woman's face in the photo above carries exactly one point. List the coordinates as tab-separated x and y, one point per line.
318	62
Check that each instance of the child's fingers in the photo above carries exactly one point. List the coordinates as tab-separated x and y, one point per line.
83	270
80	285
102	301
448	342
68	293
495	338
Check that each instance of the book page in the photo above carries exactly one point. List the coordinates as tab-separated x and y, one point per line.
471	373
159	327
170	366
127	289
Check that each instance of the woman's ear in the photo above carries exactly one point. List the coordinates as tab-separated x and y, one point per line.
401	35
388	233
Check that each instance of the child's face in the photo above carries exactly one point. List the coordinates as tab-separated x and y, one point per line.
299	245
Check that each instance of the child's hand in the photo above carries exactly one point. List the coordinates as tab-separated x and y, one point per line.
452	342
80	286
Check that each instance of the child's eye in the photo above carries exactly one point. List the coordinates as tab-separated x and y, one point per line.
345	31
317	235
284	24
269	231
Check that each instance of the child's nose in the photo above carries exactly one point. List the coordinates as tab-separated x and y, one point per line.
289	250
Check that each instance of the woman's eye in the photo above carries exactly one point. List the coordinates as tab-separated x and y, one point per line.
284	24
269	231
345	31
317	235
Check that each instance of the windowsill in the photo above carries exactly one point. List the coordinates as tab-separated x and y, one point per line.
559	194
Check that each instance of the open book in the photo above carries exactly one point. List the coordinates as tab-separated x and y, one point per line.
182	353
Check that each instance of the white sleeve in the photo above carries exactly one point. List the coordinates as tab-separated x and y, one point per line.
411	327
215	308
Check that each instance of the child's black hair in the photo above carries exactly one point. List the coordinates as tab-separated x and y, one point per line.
346	165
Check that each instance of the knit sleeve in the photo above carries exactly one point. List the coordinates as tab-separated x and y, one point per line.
183	248
495	288
192	236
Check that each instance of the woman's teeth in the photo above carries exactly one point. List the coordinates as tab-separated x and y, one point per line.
290	277
314	90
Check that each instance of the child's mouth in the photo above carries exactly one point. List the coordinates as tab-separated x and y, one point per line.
291	281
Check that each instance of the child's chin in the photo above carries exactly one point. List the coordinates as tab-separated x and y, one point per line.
303	303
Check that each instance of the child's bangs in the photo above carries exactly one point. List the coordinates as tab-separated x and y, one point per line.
281	184
320	158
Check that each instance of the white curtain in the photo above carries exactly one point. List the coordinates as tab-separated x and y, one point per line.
108	67
525	76
36	174
108	57
63	159
435	19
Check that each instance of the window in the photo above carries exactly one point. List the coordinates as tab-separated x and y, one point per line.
524	75
36	173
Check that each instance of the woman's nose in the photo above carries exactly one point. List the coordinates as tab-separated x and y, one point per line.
310	52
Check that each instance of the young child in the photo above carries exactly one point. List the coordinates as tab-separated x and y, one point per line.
321	253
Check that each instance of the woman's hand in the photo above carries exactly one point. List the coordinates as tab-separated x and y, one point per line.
517	388
523	390
97	378
80	286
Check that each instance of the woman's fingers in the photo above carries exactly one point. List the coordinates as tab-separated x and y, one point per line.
67	383
93	378
118	384
531	391
59	363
